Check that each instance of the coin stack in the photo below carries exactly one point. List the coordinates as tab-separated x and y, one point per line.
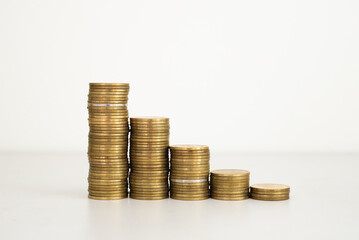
149	158
229	184
108	140
270	192
189	172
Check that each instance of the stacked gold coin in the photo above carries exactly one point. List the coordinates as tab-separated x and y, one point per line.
229	184
189	172
108	140
270	192
149	158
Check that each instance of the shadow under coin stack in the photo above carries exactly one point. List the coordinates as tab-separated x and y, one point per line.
108	140
270	192
189	172
230	184
149	158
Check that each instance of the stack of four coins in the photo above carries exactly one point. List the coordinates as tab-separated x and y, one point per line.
108	140
189	172
149	158
270	192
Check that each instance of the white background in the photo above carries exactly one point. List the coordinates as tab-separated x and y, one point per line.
236	75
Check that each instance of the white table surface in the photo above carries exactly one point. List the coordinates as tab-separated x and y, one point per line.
44	196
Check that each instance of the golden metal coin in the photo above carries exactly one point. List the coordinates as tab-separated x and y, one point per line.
270	187
110	85
107	198
230	172
139	197
189	147
149	119
270	197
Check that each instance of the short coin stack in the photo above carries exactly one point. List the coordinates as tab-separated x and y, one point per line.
229	184
108	140
149	158
270	192
189	172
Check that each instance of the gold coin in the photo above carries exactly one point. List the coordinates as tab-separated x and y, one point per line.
150	139
149	119
149	185
230	172
107	188
120	96
110	85
93	101
185	155
229	198
110	115
109	135
189	147
149	157
268	188
191	177
189	196
120	148
120	108
230	182
108	89
150	134
148	149
270	197
189	172
107	198
139	197
107	99
121	120
147	131
107	140
109	93
107	181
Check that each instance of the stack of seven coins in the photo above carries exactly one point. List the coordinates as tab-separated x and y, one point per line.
149	158
189	172
230	184
108	140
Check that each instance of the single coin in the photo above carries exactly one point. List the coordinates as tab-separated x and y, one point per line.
186	147
109	89
270	197
107	198
270	188
149	119
188	198
139	197
229	172
110	85
229	198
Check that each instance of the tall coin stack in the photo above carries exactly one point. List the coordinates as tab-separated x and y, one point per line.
229	184
270	192
108	140
189	172
149	158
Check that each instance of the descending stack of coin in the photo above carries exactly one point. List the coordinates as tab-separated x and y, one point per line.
108	140
189	172
270	192
149	157
229	184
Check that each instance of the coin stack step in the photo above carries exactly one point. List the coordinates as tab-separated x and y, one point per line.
229	184
189	172
108	140
270	192
149	158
